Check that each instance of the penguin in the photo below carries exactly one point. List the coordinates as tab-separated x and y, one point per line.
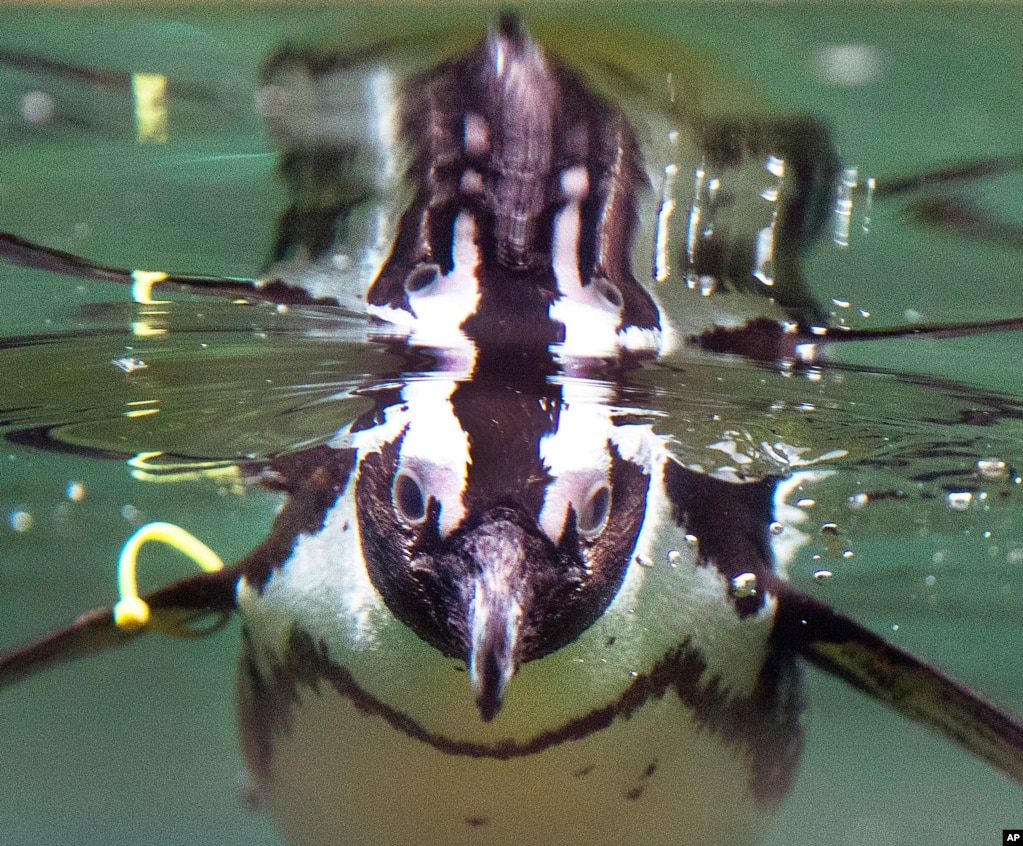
499	620
494	609
497	607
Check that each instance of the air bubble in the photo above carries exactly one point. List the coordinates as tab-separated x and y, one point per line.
129	364
674	557
834	542
857	501
644	560
822	575
744	585
20	520
959	500
75	491
776	528
37	107
991	468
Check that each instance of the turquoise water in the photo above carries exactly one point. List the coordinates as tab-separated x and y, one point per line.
140	746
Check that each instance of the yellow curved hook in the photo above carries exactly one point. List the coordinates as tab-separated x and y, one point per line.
132	611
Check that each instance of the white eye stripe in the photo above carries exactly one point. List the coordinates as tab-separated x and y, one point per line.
465	252
577	458
440	308
435	448
565	236
589	316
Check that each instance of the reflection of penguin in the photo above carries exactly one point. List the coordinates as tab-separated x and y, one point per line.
527	184
501	527
504	192
539	191
525	208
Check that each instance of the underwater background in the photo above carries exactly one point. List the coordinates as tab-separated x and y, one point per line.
140	745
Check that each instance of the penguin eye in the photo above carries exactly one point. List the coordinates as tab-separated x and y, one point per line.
422	278
591	517
609	292
408	499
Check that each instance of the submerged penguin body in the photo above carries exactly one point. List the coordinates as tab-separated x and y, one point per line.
342	775
671	711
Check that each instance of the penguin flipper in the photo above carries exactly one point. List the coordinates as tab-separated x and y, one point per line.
930	204
961	172
24	253
175	609
844	648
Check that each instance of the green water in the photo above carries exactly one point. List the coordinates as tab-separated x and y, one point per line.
140	746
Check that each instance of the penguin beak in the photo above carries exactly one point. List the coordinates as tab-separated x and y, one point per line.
497	600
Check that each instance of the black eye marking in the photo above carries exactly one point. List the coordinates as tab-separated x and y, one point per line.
421	278
593	513
408	499
609	292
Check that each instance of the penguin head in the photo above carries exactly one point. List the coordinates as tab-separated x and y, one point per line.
524	186
509	556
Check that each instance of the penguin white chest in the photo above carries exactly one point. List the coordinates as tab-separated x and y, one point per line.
341	775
